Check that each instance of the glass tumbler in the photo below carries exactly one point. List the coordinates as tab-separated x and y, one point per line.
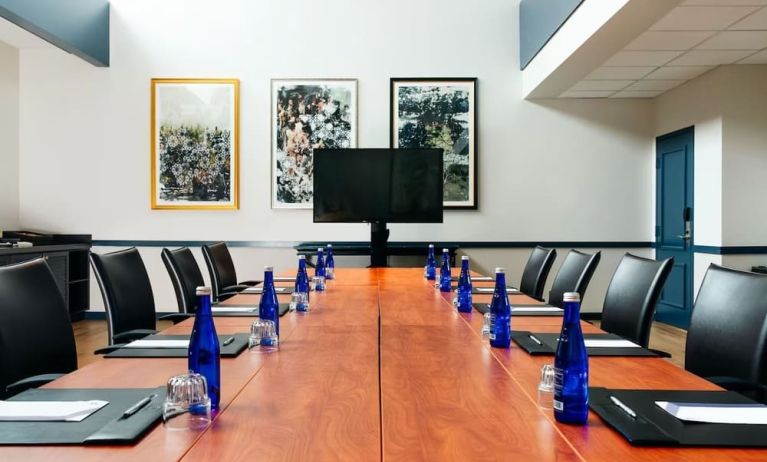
263	336
546	388
187	405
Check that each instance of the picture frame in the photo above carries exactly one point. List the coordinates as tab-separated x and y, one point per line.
195	143
307	114
440	112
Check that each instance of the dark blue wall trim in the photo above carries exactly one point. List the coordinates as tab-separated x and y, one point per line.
80	27
539	20
730	250
464	244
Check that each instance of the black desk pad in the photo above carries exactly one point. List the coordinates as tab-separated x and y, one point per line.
509	290
549	344
229	351
655	427
287	290
101	427
476	278
484	308
283	310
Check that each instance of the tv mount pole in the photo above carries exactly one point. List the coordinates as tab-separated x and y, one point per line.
379	236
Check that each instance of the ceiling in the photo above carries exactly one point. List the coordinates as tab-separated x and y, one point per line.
693	38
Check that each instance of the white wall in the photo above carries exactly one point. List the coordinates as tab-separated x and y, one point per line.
547	170
9	137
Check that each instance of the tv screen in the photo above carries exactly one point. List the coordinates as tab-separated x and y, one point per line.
387	185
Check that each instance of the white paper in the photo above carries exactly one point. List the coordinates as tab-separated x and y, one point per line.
553	309
49	411
609	343
490	290
717	413
482	278
258	290
158	344
234	309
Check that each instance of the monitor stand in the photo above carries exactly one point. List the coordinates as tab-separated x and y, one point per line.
379	235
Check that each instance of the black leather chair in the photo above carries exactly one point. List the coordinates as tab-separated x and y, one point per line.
727	336
223	276
573	276
37	344
632	295
186	277
127	295
536	272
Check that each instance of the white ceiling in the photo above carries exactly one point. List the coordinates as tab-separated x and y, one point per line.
691	39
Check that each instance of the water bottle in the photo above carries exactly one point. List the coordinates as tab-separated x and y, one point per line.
445	280
500	332
319	271
430	271
571	367
269	307
204	350
330	264
463	293
300	298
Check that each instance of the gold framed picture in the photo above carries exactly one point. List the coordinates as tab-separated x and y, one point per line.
195	144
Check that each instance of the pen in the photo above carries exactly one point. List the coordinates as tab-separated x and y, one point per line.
535	339
623	407
228	341
138	406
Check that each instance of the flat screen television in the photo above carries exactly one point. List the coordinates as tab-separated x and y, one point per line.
378	185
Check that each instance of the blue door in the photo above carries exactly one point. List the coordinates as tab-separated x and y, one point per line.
674	218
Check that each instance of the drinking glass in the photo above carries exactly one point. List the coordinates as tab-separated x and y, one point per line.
546	388
187	405
299	301
487	324
263	336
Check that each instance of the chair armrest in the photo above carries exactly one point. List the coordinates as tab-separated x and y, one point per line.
109	349
131	335
235	288
31	382
224	295
249	283
176	317
736	384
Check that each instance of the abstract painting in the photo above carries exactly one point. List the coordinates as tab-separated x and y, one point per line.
307	115
440	113
195	134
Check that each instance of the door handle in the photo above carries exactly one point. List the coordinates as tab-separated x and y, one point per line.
685	236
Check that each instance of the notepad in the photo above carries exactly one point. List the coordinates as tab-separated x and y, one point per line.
553	309
234	309
490	290
158	344
750	414
49	411
258	290
609	343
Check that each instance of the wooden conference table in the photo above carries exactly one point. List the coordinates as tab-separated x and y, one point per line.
382	367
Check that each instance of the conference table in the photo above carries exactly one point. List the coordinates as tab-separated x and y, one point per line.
382	368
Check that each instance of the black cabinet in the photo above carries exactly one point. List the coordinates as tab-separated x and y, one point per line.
69	263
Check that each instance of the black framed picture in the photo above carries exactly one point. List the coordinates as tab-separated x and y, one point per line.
440	113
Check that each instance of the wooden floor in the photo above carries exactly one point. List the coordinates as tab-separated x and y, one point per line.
91	335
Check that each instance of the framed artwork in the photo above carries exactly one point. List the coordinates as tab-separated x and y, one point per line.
195	144
440	113
308	114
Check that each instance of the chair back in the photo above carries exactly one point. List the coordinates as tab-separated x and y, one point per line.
220	267
126	290
185	275
536	271
35	331
727	336
632	295
573	276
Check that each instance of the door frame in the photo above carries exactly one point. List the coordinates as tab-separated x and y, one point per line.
689	189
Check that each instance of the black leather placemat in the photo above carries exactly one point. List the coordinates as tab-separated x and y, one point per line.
548	344
103	426
484	308
284	308
231	350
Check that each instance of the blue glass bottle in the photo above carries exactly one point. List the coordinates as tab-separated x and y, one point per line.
269	306
300	300
430	271
500	332
330	264
445	279
204	350
319	271
571	367
463	293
